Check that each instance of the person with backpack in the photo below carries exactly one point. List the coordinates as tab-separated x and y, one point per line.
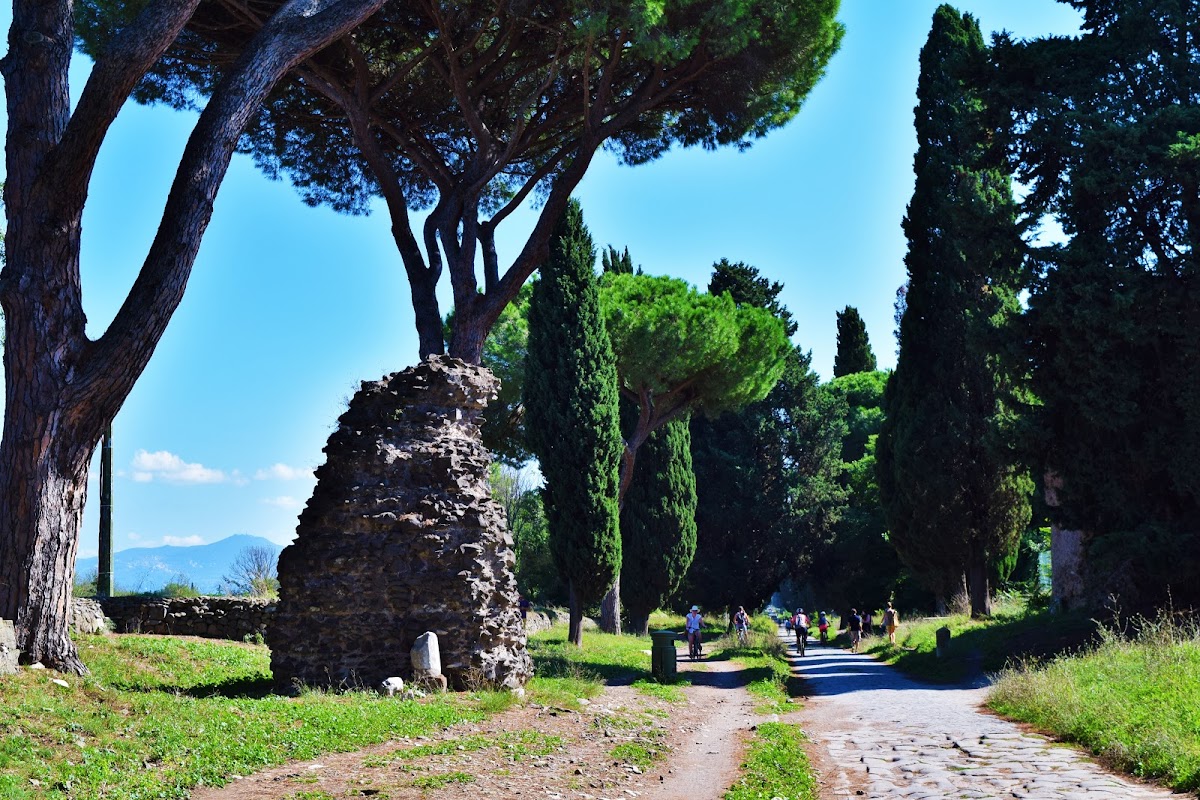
800	626
854	625
891	620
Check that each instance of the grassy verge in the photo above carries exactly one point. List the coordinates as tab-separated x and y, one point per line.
1011	634
775	766
161	715
1132	702
769	674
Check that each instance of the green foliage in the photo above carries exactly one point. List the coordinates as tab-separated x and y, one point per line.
658	522
687	350
955	494
854	352
1131	701
767	477
504	352
863	394
776	765
747	288
612	261
571	408
179	586
1114	309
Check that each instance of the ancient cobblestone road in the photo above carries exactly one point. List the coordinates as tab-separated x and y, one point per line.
878	734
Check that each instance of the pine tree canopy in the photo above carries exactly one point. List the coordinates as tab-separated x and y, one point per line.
470	108
571	412
854	352
687	351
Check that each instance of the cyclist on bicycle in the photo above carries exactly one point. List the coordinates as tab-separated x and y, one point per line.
800	626
692	625
741	623
823	626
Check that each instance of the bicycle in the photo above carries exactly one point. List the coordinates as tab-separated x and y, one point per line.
743	637
824	634
695	648
801	640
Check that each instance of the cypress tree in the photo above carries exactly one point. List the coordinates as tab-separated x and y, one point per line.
571	416
853	347
956	498
658	522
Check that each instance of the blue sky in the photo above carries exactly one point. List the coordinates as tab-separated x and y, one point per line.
289	307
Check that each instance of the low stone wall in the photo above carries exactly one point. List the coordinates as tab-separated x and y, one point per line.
233	618
87	616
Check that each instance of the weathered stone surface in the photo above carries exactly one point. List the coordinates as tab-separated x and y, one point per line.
236	618
87	616
8	647
401	537
426	656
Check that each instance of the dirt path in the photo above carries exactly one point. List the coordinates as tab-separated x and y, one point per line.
879	734
699	744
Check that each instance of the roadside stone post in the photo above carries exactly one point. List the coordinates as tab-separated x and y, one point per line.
943	641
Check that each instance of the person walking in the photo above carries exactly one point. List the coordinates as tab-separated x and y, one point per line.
854	625
868	620
891	621
692	625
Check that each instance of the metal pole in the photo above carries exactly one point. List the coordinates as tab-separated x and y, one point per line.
104	576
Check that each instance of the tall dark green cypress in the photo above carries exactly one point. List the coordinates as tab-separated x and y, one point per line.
658	522
854	352
955	497
571	416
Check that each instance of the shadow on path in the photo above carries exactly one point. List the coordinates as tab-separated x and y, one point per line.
826	670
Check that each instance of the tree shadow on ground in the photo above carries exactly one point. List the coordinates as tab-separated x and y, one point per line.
254	688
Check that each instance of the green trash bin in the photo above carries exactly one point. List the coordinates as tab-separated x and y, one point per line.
662	655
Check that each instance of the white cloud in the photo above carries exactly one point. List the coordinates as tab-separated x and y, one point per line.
183	541
133	537
169	467
283	501
282	472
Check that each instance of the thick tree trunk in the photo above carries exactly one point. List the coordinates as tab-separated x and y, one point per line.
610	609
639	625
41	510
979	587
575	626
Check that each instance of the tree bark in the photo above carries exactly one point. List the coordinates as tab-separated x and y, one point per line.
640	625
61	388
575	626
979	587
610	609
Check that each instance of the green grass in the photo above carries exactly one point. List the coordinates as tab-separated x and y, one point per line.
1135	703
1012	633
444	779
668	692
768	673
636	753
776	766
160	715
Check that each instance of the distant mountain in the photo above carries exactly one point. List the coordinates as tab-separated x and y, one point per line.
148	569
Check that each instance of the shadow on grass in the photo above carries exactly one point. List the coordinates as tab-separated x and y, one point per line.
233	689
990	648
550	664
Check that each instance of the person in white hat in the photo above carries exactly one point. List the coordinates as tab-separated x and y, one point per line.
692	625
